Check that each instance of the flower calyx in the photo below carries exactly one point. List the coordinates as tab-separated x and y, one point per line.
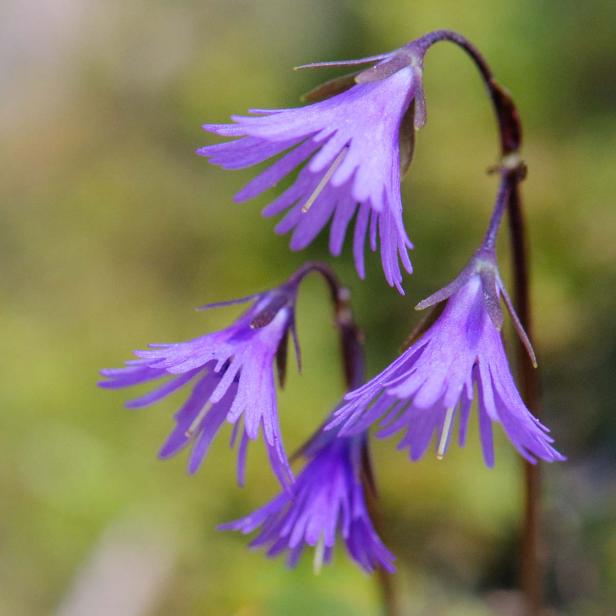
277	301
483	264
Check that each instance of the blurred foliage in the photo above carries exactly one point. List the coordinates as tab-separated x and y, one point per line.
114	230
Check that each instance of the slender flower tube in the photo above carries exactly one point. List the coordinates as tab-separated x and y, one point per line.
350	146
232	378
435	379
327	499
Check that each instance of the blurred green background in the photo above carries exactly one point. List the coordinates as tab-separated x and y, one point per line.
113	230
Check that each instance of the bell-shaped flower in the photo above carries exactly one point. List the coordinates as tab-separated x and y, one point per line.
232	377
460	357
351	146
327	500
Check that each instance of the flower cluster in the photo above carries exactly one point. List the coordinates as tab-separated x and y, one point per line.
233	380
346	153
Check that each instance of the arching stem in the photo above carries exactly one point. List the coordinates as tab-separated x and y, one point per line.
514	171
353	364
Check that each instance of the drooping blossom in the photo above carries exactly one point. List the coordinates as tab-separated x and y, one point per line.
435	380
328	499
232	377
350	146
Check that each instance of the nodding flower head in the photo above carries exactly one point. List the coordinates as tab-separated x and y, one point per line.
328	499
351	146
436	378
232	377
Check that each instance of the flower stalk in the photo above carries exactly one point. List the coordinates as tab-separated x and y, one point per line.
514	171
353	364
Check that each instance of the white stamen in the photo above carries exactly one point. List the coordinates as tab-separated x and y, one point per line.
325	179
440	452
319	553
190	432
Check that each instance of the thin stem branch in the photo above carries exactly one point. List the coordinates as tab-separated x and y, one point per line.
510	127
514	171
500	205
351	338
529	385
389	597
353	363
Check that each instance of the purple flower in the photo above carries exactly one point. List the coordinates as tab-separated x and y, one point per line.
434	380
232	378
327	498
351	144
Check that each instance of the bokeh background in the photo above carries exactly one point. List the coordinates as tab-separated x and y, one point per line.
113	230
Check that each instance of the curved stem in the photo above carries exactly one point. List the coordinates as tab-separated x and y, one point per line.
508	118
353	363
351	338
510	140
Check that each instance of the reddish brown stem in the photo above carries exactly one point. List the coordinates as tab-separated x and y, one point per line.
529	385
353	363
510	140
